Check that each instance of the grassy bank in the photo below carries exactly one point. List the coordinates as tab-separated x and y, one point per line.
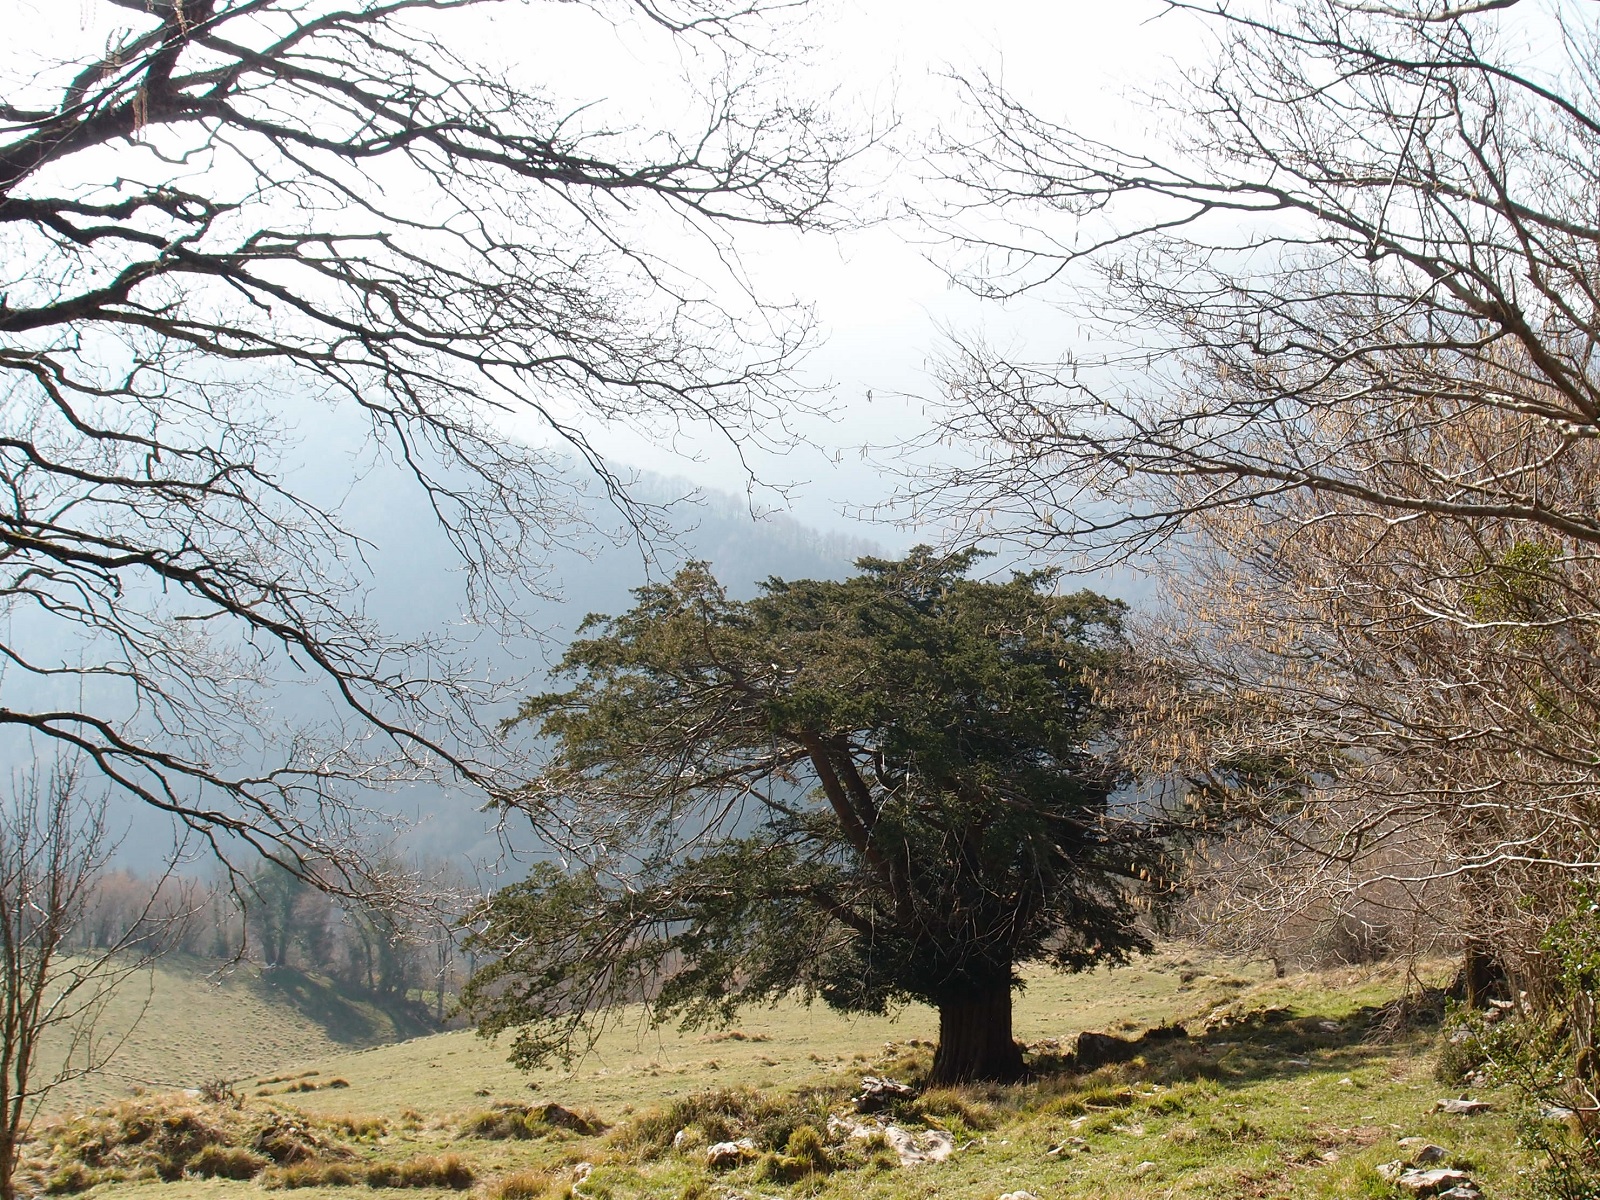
1284	1088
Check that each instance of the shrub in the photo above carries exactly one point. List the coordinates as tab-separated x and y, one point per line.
718	1114
497	1124
225	1162
309	1174
381	1175
287	1140
438	1170
74	1177
805	1145
519	1185
220	1091
428	1170
146	1135
954	1104
359	1127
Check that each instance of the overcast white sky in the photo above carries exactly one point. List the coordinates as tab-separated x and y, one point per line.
880	302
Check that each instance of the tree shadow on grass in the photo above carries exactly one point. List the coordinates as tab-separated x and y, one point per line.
1259	1045
349	1017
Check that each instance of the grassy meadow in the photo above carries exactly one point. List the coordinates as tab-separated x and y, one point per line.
186	1021
1285	1088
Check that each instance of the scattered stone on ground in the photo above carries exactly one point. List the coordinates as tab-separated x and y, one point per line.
1073	1145
1431	1183
1144	1168
877	1094
1556	1112
581	1172
1018	1196
1462	1107
910	1147
1419	1177
725	1155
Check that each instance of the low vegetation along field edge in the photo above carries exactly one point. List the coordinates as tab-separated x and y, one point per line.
1312	1086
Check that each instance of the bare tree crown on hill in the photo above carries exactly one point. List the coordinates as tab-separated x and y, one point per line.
1344	308
53	847
230	212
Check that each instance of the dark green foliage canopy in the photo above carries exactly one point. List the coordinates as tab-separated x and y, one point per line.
889	788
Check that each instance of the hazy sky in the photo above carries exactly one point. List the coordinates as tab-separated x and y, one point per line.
880	301
881	304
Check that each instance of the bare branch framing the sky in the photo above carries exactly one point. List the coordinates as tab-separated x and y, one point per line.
236	209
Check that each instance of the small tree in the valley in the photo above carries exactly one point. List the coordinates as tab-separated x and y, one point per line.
53	846
885	789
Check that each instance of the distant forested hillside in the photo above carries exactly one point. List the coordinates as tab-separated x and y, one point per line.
419	590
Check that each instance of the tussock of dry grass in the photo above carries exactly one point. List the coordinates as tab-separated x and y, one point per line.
725	1114
423	1171
173	1137
527	1185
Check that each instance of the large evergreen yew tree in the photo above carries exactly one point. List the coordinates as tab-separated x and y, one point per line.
884	789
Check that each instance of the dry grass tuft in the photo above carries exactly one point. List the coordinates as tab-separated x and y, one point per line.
434	1170
309	1175
522	1185
226	1162
727	1113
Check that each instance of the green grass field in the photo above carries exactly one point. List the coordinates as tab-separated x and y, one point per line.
1294	1096
187	1021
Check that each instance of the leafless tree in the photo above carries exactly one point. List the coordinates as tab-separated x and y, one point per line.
236	211
1341	377
53	845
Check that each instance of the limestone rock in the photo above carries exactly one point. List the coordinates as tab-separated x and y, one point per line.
1431	1183
1462	1107
1073	1145
878	1094
910	1146
725	1155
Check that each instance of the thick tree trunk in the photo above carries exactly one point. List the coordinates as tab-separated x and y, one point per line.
975	1039
1480	976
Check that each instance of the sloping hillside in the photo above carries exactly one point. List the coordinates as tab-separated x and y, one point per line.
190	1020
778	1047
1298	1087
